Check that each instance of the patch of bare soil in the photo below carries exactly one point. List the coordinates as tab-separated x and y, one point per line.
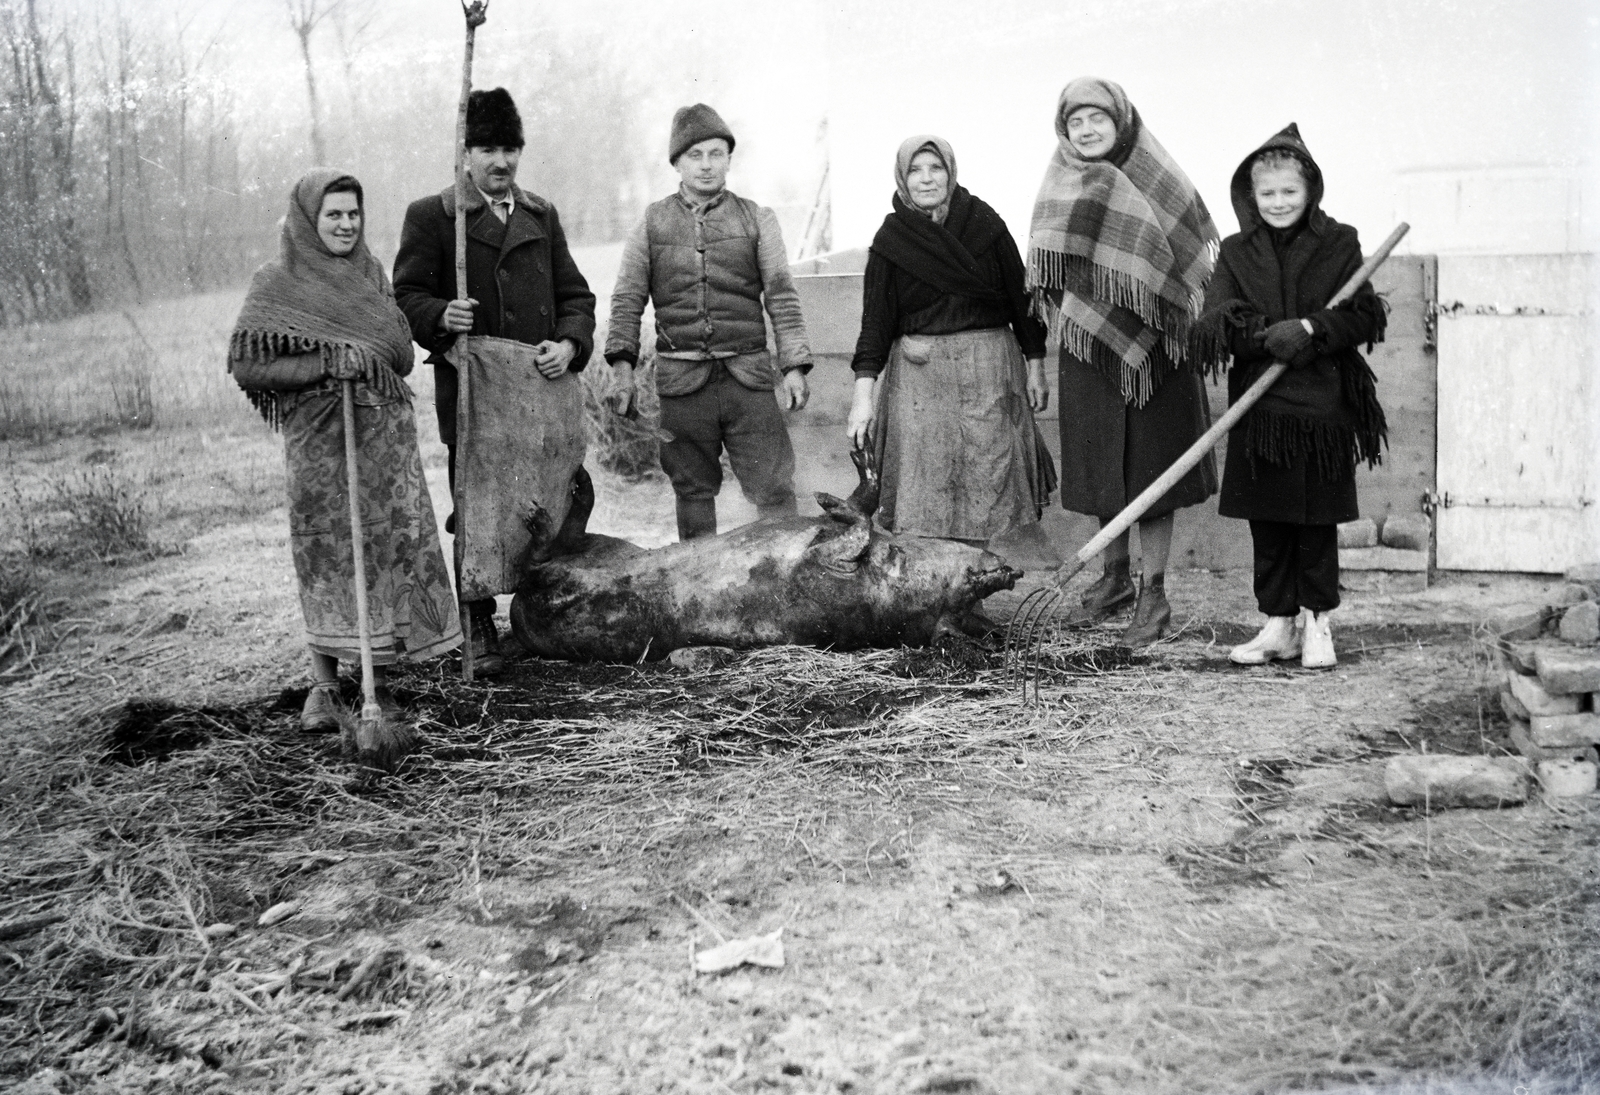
1168	875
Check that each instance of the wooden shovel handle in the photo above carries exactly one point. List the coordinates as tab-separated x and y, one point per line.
1208	440
369	693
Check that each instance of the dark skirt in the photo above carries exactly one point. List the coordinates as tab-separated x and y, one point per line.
1110	450
1255	490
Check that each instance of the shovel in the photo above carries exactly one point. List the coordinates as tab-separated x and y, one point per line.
378	743
1025	633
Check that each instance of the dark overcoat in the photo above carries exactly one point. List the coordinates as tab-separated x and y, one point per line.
1293	457
521	273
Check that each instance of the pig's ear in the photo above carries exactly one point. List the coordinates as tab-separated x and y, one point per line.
842	554
838	509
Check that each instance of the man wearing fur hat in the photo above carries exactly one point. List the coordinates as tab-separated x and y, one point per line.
521	284
710	260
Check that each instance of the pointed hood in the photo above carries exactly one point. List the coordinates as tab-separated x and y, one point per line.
1240	190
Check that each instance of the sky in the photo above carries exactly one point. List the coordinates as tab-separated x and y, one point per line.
1399	99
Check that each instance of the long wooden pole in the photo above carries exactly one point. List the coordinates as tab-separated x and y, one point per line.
475	12
371	713
1208	440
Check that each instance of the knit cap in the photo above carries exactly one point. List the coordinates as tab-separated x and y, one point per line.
693	124
492	120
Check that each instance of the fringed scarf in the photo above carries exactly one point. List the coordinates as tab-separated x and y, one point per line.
1120	248
1324	410
312	301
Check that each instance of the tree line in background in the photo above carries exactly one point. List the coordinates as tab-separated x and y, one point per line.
130	169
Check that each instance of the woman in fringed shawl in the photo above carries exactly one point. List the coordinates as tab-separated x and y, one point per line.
1291	462
1118	258
322	313
942	391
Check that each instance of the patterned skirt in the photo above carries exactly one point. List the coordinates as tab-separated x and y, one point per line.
958	450
410	598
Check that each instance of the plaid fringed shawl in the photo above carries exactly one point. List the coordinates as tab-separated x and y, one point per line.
312	301
1120	248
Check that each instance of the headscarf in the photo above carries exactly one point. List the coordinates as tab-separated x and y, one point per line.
1120	248
902	172
940	250
310	300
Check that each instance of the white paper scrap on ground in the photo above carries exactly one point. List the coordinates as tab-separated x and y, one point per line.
756	950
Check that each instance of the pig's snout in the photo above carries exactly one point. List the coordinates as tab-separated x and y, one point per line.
988	579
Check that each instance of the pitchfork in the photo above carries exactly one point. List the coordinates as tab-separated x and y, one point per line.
1025	634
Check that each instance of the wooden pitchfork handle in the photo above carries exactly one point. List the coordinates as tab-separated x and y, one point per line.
370	711
1208	440
475	11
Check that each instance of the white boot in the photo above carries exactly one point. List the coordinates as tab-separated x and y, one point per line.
1280	638
1317	650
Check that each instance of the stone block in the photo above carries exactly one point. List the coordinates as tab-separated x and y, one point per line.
1531	695
1520	624
1564	668
698	658
1524	657
1513	706
1567	778
1571	594
1560	731
1382	558
1408	531
1581	624
1586	575
1385	583
1523	742
1361	533
1440	781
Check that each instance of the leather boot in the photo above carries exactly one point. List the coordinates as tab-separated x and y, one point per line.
1151	615
320	715
486	659
1316	651
1280	638
1113	589
697	517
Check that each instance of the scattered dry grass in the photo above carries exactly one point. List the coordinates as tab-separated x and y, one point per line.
142	828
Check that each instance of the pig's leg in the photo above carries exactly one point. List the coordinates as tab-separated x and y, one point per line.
575	529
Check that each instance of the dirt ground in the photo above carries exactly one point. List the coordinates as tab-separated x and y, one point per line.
1168	874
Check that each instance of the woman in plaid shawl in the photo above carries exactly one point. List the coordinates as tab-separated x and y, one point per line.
324	313
1119	254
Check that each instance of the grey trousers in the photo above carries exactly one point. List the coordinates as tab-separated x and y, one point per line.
725	414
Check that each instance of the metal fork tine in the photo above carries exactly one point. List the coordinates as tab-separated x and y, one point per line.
1015	629
1036	638
1022	623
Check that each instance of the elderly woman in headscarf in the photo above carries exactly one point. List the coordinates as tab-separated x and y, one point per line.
1119	254
321	314
942	393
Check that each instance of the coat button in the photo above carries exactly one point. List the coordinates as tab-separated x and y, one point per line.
511	315
505	274
543	311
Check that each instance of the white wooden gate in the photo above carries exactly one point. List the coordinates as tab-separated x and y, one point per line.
1519	412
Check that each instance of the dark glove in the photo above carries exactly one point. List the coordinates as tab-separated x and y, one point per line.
1285	339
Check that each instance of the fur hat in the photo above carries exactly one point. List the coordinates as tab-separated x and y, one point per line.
693	124
492	120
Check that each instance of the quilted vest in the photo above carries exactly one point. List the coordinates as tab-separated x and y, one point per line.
705	278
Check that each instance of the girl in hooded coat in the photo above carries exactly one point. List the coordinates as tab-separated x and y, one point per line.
1118	258
1291	461
321	314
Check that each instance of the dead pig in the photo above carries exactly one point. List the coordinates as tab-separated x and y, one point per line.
833	581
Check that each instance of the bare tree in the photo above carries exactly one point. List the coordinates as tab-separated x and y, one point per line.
304	16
